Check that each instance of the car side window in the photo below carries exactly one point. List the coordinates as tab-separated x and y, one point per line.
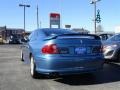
117	38
112	38
41	35
36	35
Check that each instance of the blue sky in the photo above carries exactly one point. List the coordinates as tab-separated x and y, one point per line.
78	13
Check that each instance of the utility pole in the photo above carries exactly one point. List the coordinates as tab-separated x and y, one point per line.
94	2
24	6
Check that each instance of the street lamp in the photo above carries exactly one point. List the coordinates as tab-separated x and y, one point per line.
24	6
94	2
37	17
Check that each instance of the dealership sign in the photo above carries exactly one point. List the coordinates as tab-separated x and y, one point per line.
54	19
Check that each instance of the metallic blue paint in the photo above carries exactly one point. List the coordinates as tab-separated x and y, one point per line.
69	63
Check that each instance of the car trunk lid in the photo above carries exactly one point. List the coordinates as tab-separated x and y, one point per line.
77	44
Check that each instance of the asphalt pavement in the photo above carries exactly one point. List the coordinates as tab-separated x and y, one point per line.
15	75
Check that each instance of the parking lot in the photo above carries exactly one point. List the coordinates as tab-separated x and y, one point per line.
15	75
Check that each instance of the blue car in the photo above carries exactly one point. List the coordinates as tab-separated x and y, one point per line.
62	52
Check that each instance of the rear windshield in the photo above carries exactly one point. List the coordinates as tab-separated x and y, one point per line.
64	33
57	32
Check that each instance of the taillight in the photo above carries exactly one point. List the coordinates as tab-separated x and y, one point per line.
50	49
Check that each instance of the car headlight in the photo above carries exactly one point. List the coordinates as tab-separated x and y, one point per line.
109	46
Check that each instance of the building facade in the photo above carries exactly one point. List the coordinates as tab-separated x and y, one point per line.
7	32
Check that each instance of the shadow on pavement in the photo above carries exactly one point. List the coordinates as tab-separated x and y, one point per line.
110	73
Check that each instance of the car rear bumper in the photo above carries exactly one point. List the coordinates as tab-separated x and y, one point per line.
68	71
69	66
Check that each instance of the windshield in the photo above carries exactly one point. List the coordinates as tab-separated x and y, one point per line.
114	38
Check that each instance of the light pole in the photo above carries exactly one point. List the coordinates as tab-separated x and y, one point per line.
37	17
24	6
94	2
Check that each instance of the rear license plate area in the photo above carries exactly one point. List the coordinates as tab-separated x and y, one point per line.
80	50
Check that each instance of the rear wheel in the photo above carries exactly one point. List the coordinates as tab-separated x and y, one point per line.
33	71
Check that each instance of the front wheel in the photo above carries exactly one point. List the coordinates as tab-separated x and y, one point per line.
33	71
21	56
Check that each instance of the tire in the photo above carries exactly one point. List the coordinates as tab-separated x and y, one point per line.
33	71
22	56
